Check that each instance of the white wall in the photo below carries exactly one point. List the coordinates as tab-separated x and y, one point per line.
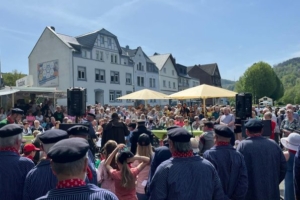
49	47
168	76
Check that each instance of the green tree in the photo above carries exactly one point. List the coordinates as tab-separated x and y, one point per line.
259	80
279	90
10	78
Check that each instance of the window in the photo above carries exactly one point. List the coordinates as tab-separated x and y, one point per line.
101	39
114	94
81	73
116	59
152	82
169	84
173	72
101	55
140	67
140	81
97	55
164	83
111	58
84	53
165	70
111	96
100	75
128	100
128	79
174	86
114	77
109	41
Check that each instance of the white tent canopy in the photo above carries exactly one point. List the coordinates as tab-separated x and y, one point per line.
8	91
38	89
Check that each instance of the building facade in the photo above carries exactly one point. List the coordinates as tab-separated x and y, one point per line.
145	72
93	61
184	80
168	78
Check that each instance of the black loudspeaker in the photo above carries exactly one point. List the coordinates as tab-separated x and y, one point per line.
76	101
243	103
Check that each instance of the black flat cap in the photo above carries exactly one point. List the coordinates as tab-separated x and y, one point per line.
132	125
92	115
78	130
53	135
178	134
17	111
68	150
144	140
223	131
254	124
10	130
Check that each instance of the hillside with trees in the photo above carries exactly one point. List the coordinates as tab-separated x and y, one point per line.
289	74
228	84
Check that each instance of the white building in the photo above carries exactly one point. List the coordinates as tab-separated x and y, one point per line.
145	72
168	78
184	80
93	61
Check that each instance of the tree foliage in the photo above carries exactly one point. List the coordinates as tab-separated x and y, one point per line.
10	78
260	80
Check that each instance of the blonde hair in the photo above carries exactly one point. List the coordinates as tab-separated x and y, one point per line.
144	151
127	178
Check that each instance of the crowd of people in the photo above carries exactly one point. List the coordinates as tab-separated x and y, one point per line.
111	153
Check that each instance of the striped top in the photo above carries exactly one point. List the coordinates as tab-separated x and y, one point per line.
186	178
231	168
86	192
13	171
39	181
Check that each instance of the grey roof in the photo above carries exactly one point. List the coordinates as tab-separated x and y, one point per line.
128	52
160	60
68	39
177	67
209	68
88	40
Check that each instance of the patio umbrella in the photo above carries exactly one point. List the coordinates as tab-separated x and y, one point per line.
144	94
204	92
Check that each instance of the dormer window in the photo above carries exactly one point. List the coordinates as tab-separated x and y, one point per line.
109	41
102	39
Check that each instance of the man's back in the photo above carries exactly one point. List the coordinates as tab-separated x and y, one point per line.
13	171
39	181
186	178
88	192
266	167
231	168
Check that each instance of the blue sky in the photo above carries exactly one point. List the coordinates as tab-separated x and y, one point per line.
233	33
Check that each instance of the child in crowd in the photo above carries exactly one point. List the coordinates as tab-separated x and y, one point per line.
144	148
104	178
125	177
29	151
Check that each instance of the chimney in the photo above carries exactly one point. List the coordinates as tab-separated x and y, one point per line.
127	47
53	28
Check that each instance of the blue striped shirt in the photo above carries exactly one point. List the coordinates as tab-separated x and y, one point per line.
185	179
87	192
39	181
13	171
231	168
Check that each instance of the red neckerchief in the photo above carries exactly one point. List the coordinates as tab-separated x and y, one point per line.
292	151
70	183
183	154
12	149
89	173
222	143
30	157
10	120
254	135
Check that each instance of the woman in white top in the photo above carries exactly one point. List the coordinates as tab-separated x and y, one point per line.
40	117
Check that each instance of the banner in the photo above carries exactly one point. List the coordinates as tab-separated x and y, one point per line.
48	73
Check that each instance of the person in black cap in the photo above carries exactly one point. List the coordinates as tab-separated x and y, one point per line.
265	162
69	163
114	130
40	179
185	176
141	128
14	117
229	163
82	131
13	168
92	138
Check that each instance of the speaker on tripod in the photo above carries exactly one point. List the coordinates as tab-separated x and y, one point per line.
76	101
243	102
